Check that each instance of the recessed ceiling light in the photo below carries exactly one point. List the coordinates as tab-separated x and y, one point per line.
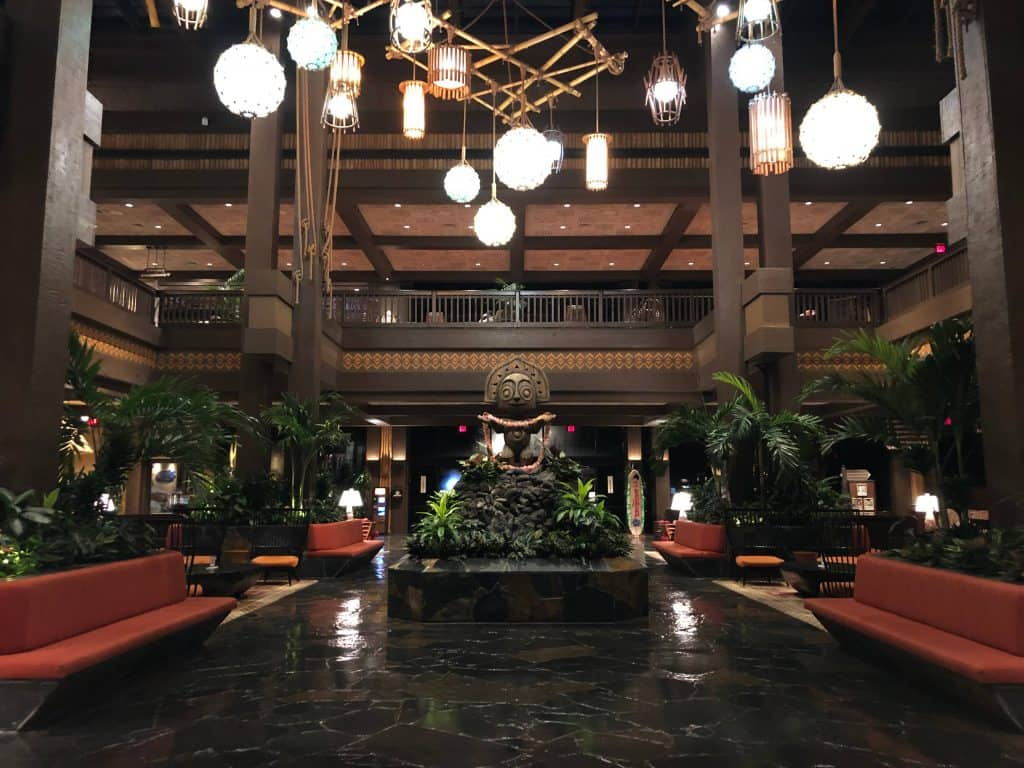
209	263
746	263
567	205
722	10
556	264
129	205
344	263
882	261
470	226
398	205
466	205
827	263
561	226
228	205
388	279
356	290
689	263
158	226
406	226
629	226
288	264
945	223
809	203
276	13
611	263
878	224
478	263
910	202
636	205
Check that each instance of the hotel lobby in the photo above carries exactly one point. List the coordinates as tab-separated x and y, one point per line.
511	383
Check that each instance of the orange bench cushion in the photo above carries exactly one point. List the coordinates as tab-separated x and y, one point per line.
334	535
275	561
359	549
977	661
983	610
703	536
672	549
38	611
62	658
759	561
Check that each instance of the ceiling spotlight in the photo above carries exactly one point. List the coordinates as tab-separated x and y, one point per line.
228	205
129	205
827	263
910	202
561	226
398	205
611	263
945	223
808	203
882	262
878	225
407	226
629	226
478	264
564	205
555	264
158	226
689	263
275	13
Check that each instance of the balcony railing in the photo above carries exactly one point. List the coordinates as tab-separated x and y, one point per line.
837	309
200	308
926	283
516	309
100	281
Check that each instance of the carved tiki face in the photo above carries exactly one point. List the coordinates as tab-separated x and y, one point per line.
516	394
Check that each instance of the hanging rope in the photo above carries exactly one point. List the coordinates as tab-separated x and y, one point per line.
465	110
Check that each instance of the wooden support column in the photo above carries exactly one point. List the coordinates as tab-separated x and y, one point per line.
267	337
307	324
41	164
991	114
726	203
768	293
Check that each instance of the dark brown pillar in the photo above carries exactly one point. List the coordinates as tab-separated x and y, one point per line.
307	323
726	203
266	306
41	157
774	281
991	114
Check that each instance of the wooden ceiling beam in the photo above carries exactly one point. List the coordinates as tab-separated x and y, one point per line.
831	230
204	232
675	228
352	217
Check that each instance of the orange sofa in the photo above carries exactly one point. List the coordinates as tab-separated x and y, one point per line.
694	543
334	548
963	633
66	633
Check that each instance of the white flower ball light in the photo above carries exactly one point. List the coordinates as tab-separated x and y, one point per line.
462	183
249	80
752	68
494	223
522	159
312	43
755	11
840	129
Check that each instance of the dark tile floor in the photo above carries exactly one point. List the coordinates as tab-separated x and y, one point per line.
322	678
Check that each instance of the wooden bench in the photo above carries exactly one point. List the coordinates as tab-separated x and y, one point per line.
694	543
67	635
335	548
962	633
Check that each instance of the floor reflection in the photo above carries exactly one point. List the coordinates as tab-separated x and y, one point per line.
323	678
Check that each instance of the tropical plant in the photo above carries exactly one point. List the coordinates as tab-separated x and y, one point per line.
999	554
439	529
577	509
924	393
18	517
81	381
15	561
305	430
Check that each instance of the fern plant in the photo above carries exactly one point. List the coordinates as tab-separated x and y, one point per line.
440	528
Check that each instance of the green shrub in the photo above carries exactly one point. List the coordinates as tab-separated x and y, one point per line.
998	554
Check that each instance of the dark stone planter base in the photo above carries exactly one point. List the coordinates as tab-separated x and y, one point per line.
485	590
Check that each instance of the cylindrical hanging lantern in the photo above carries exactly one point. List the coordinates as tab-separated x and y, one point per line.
556	147
666	89
414	108
347	71
448	71
190	14
411	24
340	109
757	20
597	160
771	134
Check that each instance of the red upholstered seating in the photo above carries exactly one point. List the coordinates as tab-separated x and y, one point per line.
969	625
60	623
342	542
695	541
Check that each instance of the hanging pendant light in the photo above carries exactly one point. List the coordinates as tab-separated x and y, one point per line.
248	78
411	24
311	41
462	182
522	158
752	68
665	84
841	128
757	20
494	222
555	139
596	144
771	134
448	71
190	14
414	109
341	111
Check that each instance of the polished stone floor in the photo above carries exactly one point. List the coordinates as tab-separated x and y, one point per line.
321	678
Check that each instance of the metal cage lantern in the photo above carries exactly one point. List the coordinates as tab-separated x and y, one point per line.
556	147
448	71
410	25
757	20
340	109
665	85
771	134
190	14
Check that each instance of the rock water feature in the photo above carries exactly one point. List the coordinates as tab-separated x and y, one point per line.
520	538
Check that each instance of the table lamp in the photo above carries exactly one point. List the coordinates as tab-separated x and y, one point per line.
682	502
928	504
350	498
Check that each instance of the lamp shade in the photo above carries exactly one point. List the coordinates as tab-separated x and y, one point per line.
597	160
448	71
350	498
927	503
682	502
414	108
771	134
347	71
